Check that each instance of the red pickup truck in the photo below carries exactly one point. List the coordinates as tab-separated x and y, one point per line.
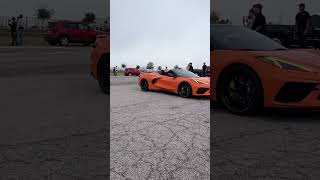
65	32
131	72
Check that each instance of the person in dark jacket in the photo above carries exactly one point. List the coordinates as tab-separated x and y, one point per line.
204	69
13	30
190	67
259	23
302	27
20	29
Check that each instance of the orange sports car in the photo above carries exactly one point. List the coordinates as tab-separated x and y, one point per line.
250	71
178	81
100	62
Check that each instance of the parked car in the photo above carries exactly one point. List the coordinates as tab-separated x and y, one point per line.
147	71
199	72
285	34
131	72
65	32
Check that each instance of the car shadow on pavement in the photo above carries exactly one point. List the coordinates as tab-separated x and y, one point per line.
273	114
176	95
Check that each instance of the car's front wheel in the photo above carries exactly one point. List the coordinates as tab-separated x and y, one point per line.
144	85
240	90
64	41
185	90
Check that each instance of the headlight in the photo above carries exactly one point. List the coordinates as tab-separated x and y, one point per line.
199	82
280	63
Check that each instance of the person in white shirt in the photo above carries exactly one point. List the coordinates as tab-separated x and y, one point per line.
20	29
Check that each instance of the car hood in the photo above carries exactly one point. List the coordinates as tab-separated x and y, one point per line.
204	79
307	58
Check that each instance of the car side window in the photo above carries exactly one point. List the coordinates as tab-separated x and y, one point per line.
84	27
170	74
72	26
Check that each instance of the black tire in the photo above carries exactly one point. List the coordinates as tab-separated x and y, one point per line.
240	90
130	74
144	85
64	41
185	90
103	74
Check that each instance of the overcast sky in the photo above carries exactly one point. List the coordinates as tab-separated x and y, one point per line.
66	9
166	32
276	11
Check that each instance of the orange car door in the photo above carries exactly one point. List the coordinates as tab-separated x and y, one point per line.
166	83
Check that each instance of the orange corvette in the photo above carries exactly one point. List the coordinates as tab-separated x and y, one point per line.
178	81
251	71
100	62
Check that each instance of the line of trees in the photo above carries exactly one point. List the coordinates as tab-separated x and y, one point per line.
45	14
216	19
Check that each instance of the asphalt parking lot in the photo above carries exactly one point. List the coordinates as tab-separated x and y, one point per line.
52	115
156	135
272	145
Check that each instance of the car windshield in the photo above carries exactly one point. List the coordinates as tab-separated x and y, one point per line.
184	73
229	37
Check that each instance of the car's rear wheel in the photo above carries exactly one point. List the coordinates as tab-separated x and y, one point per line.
130	74
103	75
185	90
240	90
144	85
64	41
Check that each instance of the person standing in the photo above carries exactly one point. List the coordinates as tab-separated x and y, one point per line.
188	67
204	69
191	67
302	26
248	20
114	71
259	23
20	29
13	30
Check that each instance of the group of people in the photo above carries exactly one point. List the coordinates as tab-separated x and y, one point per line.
115	71
257	22
204	68
16	30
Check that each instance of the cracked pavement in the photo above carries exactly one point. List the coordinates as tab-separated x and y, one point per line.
157	135
274	145
53	115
